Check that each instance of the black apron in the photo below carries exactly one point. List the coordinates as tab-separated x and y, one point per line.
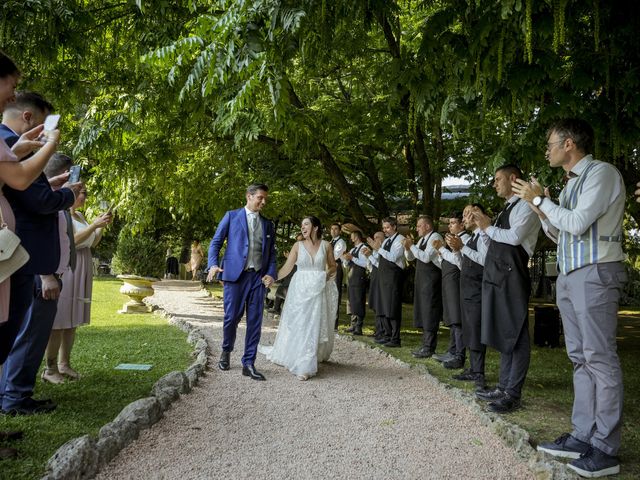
390	278
506	287
427	294
374	295
471	298
451	294
357	285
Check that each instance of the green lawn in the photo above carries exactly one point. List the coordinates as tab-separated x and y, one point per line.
548	391
84	406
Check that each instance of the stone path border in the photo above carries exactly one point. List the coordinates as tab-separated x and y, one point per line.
83	457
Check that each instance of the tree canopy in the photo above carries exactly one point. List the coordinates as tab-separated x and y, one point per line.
349	109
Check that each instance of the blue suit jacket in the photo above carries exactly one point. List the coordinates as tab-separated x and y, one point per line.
36	211
233	227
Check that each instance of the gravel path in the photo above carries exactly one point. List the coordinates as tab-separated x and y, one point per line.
363	416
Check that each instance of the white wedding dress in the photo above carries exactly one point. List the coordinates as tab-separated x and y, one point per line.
305	335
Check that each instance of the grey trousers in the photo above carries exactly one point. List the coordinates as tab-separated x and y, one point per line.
588	302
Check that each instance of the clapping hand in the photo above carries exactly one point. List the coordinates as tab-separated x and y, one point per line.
437	244
408	242
482	220
347	256
366	251
454	242
373	244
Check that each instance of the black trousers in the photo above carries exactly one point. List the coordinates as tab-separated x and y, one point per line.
456	345
476	360
339	281
515	365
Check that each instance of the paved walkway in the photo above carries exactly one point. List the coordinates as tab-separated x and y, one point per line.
363	416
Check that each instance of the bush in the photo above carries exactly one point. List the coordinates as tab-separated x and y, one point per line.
138	255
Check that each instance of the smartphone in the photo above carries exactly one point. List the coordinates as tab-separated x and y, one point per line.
51	122
74	174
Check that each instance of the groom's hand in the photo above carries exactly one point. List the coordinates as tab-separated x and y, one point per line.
267	280
213	271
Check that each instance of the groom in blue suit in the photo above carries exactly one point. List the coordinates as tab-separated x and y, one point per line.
249	267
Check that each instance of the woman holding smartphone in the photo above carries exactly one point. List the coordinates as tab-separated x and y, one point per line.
74	304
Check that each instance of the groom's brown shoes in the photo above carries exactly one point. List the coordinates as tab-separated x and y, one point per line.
250	371
223	363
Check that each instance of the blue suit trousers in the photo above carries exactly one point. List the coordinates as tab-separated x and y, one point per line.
21	367
245	294
19	301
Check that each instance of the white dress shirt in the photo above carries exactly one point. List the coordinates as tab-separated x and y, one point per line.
482	246
429	254
373	260
396	254
523	230
455	258
360	260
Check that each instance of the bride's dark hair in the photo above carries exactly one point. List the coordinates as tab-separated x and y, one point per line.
315	222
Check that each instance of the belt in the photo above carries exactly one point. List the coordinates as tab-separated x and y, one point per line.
250	270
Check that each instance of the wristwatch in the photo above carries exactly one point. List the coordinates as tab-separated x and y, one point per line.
537	201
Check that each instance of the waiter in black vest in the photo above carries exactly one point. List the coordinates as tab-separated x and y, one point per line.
390	275
339	247
454	357
506	288
427	285
357	282
374	295
470	253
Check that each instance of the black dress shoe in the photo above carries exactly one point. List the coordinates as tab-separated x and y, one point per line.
456	363
223	363
391	345
357	332
490	395
11	435
29	406
506	404
422	353
381	341
7	452
250	371
468	376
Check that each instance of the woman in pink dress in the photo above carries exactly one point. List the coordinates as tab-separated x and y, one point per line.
74	304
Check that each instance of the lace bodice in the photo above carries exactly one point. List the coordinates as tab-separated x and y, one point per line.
316	263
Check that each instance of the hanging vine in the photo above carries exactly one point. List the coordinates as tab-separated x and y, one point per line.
596	24
501	55
528	32
559	7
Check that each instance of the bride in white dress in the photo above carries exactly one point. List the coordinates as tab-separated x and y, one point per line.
305	335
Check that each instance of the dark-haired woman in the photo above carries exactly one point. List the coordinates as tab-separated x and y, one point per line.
305	334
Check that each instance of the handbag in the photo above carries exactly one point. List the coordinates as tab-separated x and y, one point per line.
12	254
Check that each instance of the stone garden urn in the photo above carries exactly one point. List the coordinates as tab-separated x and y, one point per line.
136	288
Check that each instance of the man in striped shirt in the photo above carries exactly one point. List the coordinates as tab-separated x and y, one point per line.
587	226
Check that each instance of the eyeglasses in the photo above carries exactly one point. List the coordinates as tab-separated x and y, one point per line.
551	144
